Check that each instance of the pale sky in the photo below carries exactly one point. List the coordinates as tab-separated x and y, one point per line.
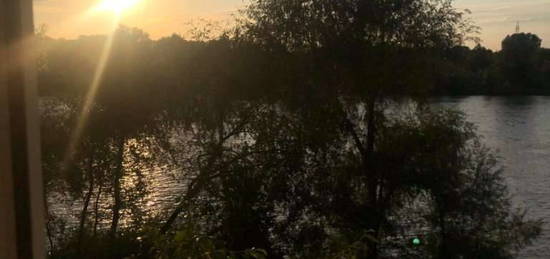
70	18
498	18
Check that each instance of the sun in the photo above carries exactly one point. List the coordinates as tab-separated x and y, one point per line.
116	6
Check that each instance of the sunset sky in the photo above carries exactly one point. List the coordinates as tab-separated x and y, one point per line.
70	18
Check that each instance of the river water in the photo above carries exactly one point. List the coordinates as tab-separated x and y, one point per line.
519	129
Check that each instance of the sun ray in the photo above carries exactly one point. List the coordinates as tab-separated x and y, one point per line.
82	119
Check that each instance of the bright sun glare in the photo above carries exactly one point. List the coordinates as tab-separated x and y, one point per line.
116	6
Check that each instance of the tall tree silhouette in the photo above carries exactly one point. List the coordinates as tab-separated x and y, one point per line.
519	57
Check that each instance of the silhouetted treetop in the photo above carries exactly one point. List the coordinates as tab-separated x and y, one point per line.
308	24
526	42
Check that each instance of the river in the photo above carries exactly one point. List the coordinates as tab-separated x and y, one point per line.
519	129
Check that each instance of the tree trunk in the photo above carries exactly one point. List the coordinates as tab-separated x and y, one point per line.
117	206
443	250
84	214
96	210
372	176
367	159
48	219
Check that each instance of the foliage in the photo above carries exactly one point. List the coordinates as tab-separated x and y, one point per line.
187	242
519	68
302	133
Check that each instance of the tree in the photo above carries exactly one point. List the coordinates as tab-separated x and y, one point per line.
357	54
519	61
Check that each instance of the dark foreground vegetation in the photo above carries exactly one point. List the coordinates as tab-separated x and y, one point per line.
300	133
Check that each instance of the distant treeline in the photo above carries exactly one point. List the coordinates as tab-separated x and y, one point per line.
303	132
522	67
